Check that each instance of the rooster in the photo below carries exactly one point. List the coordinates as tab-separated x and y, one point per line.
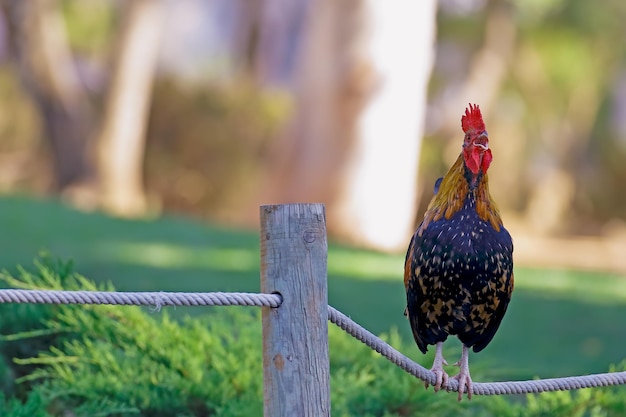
458	272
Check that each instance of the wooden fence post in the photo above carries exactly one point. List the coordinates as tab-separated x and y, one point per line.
296	376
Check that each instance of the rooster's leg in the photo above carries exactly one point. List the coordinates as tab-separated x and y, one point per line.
441	377
464	379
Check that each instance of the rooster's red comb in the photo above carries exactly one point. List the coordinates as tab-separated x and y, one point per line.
473	119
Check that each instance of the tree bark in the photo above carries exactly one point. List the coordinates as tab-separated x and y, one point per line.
38	43
121	143
280	24
488	68
360	94
377	194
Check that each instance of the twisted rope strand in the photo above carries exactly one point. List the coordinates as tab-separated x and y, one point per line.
160	299
154	299
480	388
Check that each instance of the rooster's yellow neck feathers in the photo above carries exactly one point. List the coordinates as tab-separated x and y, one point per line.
453	191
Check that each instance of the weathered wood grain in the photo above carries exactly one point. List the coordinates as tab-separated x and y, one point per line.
295	335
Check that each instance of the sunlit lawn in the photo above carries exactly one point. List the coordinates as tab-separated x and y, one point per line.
559	323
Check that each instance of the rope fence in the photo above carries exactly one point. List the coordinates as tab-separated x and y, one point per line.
187	299
153	299
480	388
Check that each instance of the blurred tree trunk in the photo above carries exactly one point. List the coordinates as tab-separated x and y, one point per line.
280	24
112	178
360	94
121	142
327	93
38	43
377	195
488	68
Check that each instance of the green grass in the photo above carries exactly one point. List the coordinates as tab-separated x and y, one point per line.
559	323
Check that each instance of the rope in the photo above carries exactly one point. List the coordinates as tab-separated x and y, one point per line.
160	299
154	299
484	388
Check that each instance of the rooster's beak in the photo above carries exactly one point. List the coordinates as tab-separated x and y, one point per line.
481	141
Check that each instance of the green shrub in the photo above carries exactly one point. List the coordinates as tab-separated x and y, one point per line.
33	407
127	361
365	384
24	325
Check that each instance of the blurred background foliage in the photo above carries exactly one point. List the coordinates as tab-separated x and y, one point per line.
207	146
556	107
549	74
